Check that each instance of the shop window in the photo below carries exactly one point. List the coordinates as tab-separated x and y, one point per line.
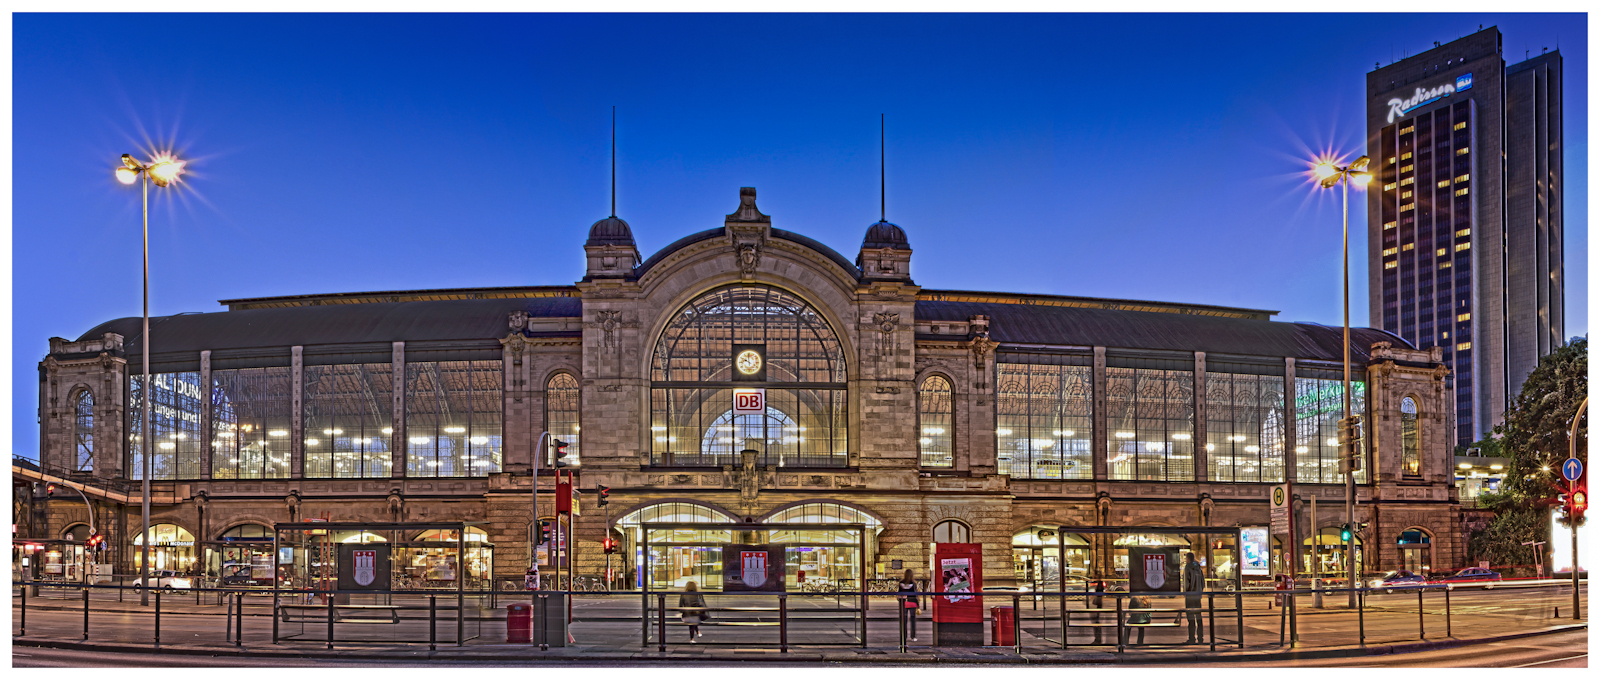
1040	555
171	547
83	431
1410	440
935	423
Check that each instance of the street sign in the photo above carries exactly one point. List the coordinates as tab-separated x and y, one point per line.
1572	469
1280	509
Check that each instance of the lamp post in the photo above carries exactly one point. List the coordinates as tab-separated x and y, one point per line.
163	170
1330	174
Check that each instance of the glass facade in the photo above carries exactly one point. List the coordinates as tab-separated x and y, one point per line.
83	431
349	420
453	415
1044	421
175	412
1319	404
251	423
801	371
1244	427
935	423
1150	418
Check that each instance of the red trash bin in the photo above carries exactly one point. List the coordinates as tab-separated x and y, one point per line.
1000	627
519	622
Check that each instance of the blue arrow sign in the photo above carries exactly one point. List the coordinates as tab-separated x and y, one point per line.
1572	469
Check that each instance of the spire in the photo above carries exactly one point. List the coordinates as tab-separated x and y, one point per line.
613	160
883	185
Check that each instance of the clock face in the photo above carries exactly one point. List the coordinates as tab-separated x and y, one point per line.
748	361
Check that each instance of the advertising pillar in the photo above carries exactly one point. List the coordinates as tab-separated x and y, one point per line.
957	617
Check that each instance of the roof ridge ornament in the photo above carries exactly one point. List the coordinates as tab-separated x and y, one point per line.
747	211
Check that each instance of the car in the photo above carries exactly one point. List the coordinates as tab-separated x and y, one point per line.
1470	575
165	579
1397	579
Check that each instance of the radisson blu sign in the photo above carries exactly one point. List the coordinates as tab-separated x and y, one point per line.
1399	107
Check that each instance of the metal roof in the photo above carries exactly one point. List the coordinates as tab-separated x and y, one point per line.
336	324
1052	325
675	246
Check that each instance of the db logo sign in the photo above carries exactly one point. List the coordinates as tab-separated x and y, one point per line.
748	401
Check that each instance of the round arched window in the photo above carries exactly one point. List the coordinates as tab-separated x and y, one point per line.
1410	439
748	367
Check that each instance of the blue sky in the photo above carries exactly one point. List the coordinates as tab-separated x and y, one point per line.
1140	156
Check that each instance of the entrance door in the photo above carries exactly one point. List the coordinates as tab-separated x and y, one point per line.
673	567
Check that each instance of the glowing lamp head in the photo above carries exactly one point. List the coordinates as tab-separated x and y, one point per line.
1325	170
127	175
1360	164
166	170
1361	178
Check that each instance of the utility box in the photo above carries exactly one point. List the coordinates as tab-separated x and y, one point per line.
519	623
547	614
1001	627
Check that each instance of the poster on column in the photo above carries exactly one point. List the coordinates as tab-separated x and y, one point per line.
958	570
752	568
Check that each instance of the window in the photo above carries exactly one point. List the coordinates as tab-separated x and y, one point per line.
935	423
561	414
1411	456
1043	421
349	420
453	411
1151	421
1464	346
1407	181
1244	427
175	413
1405	155
1463	191
692	382
1319	404
1390	251
1388	225
1464	233
1389	187
1443	252
1405	168
83	431
1463	178
1462	151
1405	194
1407	206
1443	183
250	421
1444	265
1462	246
1464	317
1460	126
1408	246
1390	265
952	531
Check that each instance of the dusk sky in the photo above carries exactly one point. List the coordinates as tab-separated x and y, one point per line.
1158	157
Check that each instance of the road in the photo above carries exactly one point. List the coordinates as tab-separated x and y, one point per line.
1558	650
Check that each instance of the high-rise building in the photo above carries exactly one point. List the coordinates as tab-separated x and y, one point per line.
1464	215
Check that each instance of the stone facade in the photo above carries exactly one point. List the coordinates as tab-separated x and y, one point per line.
889	351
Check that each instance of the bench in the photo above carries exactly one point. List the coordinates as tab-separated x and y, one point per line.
342	613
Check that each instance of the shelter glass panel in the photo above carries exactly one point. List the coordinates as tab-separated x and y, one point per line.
349	420
1044	421
1151	424
453	414
250	423
1245	427
1319	404
175	411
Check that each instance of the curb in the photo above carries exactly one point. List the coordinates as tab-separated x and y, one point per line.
600	658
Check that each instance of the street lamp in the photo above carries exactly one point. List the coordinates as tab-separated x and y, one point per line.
1331	174
164	170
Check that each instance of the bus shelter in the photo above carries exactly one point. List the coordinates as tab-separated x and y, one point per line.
1220	551
726	558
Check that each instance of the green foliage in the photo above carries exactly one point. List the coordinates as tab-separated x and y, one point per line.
1534	435
1501	542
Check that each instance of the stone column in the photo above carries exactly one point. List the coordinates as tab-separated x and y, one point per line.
1099	438
205	415
397	439
297	429
1202	466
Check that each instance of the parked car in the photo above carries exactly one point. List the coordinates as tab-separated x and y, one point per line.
165	579
1470	575
1398	579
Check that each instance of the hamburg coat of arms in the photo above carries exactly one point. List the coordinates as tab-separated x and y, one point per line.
366	566
1155	570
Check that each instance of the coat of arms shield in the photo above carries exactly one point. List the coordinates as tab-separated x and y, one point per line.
366	566
753	565
1155	570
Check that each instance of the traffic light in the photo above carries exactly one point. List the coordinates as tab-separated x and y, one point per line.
1344	533
95	542
1580	503
602	491
610	545
561	452
50	490
1350	444
544	531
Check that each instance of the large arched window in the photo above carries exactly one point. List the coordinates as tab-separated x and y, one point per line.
790	355
83	429
561	399
1410	441
935	422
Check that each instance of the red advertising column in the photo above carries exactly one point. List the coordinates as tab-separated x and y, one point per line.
958	617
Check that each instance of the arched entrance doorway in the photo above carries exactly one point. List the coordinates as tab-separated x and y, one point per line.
824	559
171	547
677	556
1416	550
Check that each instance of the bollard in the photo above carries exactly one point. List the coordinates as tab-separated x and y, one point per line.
1119	624
1448	630
1361	614
86	613
1211	618
24	630
328	598
227	628
902	608
783	625
1294	631
158	618
433	623
661	622
238	628
1421	629
1016	620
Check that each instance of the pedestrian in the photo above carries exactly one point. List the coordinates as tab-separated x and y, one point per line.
1194	581
908	603
1137	619
693	607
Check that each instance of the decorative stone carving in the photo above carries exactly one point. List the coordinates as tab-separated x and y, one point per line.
748	478
888	390
981	347
609	322
886	322
747	211
749	259
518	320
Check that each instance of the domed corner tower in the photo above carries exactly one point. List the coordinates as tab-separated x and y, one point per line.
885	254
611	251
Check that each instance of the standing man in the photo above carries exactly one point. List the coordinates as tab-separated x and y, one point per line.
1194	581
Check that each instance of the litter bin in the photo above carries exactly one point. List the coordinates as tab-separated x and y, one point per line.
1000	625
519	622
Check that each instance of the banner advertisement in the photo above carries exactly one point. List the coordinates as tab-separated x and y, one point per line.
752	568
364	567
958	569
1255	552
1154	570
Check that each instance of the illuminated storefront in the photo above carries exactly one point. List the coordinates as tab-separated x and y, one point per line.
171	547
1036	556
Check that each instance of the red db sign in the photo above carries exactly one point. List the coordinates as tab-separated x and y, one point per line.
749	401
